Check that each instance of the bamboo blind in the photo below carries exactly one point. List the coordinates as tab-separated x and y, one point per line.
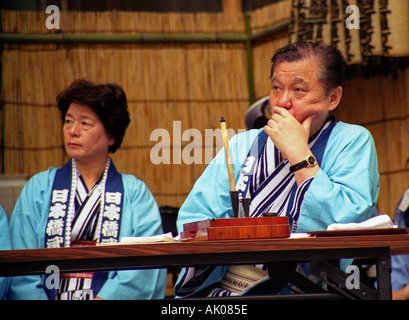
269	15
376	27
264	50
124	22
167	85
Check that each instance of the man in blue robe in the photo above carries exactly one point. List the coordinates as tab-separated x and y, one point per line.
303	164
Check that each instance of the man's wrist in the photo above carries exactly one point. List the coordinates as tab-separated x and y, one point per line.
308	162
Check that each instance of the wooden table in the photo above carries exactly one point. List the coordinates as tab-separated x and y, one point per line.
224	252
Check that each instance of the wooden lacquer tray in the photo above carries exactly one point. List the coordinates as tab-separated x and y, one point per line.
237	228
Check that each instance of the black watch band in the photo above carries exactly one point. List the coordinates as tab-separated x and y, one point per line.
310	161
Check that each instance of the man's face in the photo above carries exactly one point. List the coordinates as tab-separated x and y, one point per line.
296	87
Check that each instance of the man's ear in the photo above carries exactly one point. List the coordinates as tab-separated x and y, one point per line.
335	98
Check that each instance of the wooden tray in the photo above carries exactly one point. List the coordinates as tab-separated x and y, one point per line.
237	228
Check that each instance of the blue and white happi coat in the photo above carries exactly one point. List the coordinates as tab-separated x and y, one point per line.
55	209
82	217
268	182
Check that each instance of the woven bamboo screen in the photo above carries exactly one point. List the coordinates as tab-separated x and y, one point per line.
264	50
360	28
168	86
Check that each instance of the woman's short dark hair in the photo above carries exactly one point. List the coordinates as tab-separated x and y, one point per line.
333	64
107	100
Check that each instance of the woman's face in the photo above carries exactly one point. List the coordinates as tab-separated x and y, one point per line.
296	87
85	136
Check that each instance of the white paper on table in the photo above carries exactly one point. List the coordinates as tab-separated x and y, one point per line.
166	237
300	235
378	222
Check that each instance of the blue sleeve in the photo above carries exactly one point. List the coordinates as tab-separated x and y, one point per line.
140	218
400	271
210	195
400	263
346	187
210	198
5	244
27	232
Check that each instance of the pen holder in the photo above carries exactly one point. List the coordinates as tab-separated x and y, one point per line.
234	197
244	209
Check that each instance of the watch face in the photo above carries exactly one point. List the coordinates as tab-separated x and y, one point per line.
311	160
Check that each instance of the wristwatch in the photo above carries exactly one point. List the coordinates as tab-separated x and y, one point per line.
310	161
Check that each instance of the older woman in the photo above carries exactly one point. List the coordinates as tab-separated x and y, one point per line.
303	164
87	201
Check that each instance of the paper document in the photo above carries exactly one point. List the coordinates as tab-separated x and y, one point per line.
378	222
299	235
166	237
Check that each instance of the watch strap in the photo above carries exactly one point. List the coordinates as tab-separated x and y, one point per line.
304	164
299	165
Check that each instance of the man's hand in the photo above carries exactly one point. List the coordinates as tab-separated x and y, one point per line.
288	135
